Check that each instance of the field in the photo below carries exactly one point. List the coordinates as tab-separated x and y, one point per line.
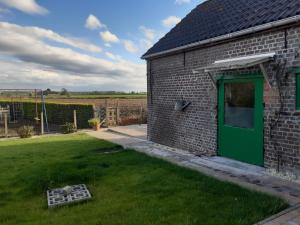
99	96
100	100
128	188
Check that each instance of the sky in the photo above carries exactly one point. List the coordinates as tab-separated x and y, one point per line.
82	45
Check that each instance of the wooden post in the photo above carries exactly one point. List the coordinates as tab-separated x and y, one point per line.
141	114
6	124
106	113
42	124
118	113
36	108
97	112
75	119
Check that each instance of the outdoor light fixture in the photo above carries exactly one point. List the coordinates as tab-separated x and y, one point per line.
181	105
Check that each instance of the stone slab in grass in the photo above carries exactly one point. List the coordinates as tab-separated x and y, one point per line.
59	197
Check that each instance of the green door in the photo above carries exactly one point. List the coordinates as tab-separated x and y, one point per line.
241	119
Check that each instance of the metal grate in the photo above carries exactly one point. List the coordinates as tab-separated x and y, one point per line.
57	197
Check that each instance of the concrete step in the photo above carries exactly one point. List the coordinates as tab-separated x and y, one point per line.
229	166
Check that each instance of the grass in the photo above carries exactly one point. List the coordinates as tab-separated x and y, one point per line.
128	188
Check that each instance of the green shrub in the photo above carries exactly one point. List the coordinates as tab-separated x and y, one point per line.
25	131
68	128
94	122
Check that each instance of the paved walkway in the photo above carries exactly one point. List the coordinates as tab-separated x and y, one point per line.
227	170
290	216
138	131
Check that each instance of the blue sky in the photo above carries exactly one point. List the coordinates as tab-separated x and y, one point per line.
82	44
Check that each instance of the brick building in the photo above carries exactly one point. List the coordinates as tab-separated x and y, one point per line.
226	81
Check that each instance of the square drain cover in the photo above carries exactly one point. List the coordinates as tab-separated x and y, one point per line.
68	195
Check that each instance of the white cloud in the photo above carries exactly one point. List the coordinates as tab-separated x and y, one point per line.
146	44
26	75
171	21
30	50
110	55
113	56
130	46
109	37
135	46
40	33
150	34
26	6
147	38
180	2
93	23
31	61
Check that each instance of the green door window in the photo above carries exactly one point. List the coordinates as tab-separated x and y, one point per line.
239	104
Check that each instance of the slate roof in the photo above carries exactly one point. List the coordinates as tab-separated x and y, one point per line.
215	18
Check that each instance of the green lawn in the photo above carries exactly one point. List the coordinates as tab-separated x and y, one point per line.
128	188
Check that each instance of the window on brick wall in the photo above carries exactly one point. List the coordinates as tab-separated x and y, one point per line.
298	91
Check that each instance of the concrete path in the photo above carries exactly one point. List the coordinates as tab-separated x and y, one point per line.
242	174
138	131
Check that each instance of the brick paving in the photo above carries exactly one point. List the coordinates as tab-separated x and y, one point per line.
239	173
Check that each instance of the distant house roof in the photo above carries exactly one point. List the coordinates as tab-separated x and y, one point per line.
216	18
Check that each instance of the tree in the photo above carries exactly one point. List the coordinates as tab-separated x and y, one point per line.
64	91
47	91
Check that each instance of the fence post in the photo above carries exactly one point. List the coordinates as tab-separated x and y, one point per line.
118	113
42	124
96	113
141	114
75	119
5	125
106	112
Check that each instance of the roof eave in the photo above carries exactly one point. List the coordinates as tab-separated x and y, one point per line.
251	30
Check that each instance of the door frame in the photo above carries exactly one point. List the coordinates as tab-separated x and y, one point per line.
259	111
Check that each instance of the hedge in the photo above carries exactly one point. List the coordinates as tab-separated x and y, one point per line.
58	114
